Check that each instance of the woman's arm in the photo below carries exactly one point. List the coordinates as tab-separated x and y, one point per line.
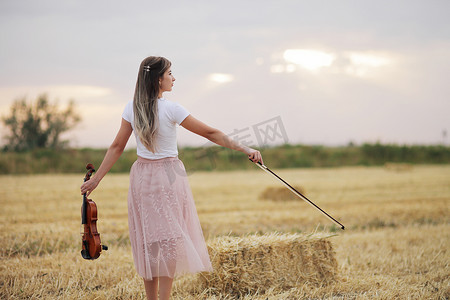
111	156
218	137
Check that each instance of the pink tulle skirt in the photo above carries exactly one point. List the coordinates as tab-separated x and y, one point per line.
165	233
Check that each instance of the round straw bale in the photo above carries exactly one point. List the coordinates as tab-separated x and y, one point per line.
280	193
398	167
256	263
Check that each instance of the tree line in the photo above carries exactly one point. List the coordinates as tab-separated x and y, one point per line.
34	145
221	159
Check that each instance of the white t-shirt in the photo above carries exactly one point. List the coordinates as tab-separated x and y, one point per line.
170	114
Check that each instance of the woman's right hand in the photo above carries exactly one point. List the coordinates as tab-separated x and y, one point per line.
254	155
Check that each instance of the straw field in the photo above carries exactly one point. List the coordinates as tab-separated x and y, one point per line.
395	245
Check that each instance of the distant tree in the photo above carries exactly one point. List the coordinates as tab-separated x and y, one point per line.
38	124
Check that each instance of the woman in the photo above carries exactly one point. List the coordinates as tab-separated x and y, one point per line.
165	233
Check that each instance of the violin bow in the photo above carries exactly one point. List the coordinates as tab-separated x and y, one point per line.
300	195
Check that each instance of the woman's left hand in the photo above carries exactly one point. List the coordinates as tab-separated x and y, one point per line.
88	186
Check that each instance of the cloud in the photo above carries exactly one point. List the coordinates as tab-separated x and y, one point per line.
347	62
362	63
221	77
309	58
282	68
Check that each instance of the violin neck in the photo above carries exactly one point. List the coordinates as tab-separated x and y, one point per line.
83	210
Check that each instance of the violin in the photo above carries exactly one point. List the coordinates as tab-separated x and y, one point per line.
91	243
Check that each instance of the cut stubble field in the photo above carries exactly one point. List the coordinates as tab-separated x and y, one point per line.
395	245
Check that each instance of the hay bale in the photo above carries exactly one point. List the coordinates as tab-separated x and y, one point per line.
254	264
280	193
398	167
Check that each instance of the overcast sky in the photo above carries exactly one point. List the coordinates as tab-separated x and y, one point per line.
331	72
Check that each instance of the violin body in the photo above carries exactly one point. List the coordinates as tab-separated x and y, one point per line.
91	243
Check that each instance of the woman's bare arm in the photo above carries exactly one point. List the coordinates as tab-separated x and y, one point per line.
218	137
111	156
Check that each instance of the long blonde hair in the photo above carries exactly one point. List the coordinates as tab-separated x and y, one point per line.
145	101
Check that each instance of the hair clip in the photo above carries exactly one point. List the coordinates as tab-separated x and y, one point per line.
147	68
